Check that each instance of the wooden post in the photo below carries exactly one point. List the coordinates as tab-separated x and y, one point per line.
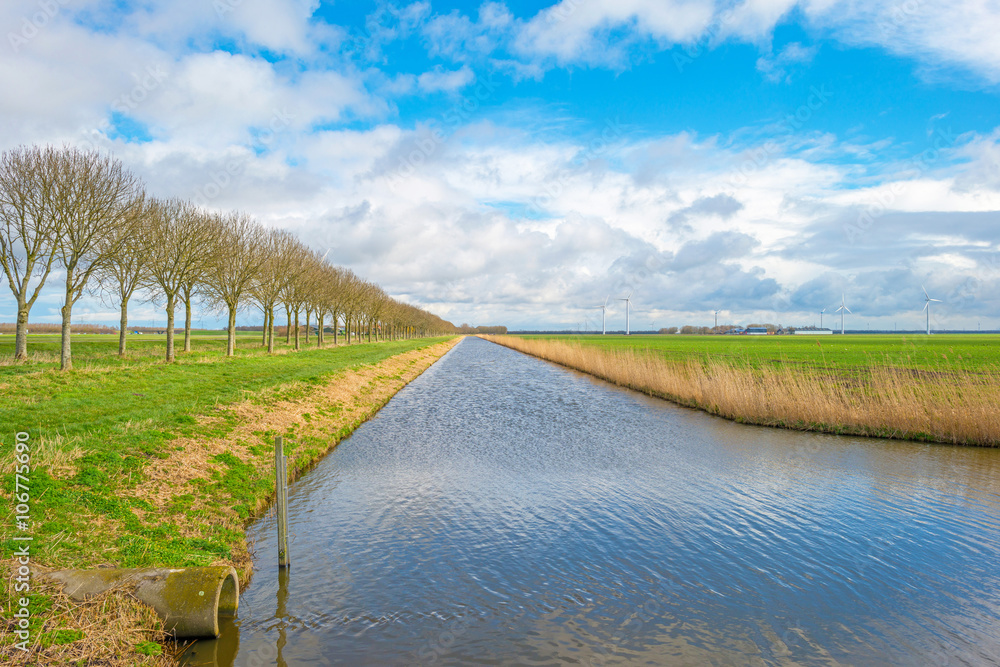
281	500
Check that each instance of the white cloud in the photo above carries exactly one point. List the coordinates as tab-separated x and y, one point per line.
775	67
494	222
579	31
754	20
938	33
441	80
457	37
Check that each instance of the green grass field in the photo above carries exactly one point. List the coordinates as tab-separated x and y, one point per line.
952	352
108	417
95	430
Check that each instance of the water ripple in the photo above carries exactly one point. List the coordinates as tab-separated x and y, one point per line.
502	510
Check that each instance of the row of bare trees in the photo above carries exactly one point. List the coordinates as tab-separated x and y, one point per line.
85	215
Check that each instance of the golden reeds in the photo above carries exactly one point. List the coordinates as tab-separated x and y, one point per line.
956	406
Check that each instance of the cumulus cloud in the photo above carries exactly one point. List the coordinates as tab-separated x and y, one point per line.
486	219
938	34
600	32
720	205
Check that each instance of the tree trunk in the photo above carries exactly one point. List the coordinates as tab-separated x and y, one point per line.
171	305
308	313
21	334
263	339
288	329
231	337
187	323
319	331
66	352
296	328
123	328
270	329
335	327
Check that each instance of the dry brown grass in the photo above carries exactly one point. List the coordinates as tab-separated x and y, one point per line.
882	401
112	624
33	358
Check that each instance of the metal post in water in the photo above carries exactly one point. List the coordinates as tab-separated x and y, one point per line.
284	520
281	500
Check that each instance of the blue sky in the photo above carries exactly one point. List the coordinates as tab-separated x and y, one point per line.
518	162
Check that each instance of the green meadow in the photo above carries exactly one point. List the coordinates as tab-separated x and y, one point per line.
108	418
952	352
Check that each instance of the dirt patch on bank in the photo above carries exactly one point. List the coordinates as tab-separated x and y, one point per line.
347	399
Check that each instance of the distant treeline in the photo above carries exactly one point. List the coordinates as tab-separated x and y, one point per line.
11	328
497	331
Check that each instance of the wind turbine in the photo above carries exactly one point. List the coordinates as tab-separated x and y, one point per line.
821	318
927	307
604	312
843	308
717	320
628	303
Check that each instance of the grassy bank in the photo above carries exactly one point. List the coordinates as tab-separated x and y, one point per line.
861	395
138	463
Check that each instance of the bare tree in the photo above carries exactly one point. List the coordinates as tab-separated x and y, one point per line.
351	303
28	231
312	279
295	290
193	279
333	291
96	202
238	254
126	270
326	287
179	240
280	247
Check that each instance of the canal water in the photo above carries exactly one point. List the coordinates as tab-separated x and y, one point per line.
502	510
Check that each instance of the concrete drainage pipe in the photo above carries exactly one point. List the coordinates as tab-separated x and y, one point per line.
189	600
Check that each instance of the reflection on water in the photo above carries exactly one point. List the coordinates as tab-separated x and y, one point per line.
503	510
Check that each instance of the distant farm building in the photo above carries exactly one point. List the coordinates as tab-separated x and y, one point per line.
813	332
755	331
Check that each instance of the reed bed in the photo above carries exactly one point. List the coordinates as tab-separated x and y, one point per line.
955	406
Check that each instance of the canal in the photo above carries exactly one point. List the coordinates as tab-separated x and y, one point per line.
503	510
